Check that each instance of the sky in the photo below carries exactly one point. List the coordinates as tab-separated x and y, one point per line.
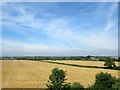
59	28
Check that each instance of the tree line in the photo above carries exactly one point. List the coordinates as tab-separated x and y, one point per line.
86	58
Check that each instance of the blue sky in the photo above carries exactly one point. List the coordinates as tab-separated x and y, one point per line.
59	28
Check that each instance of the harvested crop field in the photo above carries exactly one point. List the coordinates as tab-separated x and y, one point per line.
0	74
34	74
85	63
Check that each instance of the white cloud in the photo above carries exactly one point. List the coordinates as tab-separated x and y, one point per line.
59	28
33	49
110	22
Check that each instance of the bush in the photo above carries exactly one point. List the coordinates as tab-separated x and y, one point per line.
109	63
56	79
117	68
66	86
77	85
104	80
74	86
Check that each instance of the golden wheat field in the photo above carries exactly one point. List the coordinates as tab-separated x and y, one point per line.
85	63
34	74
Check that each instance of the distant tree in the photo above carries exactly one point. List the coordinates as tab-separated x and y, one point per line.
35	58
56	79
88	56
109	62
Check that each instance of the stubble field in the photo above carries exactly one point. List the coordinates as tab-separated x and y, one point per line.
85	63
34	74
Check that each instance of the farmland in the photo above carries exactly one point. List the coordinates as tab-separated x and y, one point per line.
34	74
85	63
0	74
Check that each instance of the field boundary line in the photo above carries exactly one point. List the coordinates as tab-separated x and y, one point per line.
75	65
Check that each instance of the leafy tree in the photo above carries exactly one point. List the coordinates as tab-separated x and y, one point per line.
104	80
56	79
109	63
88	57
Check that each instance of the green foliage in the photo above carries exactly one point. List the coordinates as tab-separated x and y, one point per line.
66	86
117	84
73	86
104	80
109	63
117	68
77	85
56	79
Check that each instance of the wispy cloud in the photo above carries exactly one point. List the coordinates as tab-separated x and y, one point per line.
110	22
51	33
16	49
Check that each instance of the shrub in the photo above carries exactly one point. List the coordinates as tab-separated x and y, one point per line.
104	80
77	85
66	86
73	86
56	79
109	63
117	68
